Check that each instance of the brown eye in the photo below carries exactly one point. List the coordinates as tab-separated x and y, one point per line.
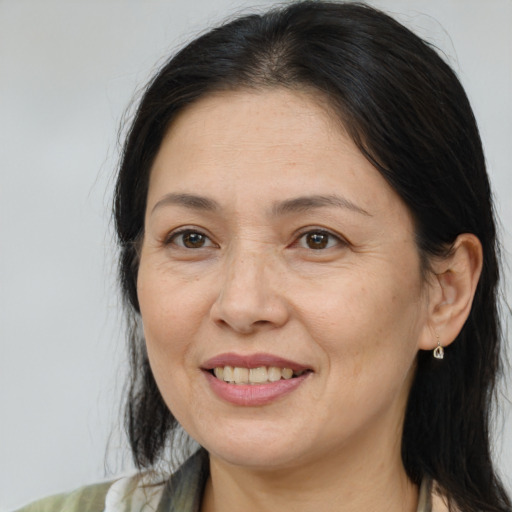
191	240
317	240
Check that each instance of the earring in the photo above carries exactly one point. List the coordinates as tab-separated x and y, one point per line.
439	350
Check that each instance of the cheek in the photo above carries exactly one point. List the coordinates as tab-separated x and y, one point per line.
368	337
170	317
165	317
365	322
167	301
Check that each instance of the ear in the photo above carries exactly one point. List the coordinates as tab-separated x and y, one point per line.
451	291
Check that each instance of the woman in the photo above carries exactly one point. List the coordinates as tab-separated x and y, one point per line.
309	260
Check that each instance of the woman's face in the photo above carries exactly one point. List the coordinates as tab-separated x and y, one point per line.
271	242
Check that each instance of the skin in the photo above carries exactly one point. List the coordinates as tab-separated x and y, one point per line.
355	312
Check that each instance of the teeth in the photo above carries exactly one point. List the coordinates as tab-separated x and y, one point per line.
228	374
274	374
260	375
241	375
287	373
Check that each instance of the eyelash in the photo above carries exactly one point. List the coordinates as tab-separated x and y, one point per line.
171	239
331	237
324	233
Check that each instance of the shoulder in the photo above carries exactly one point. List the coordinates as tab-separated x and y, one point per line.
181	492
126	494
90	498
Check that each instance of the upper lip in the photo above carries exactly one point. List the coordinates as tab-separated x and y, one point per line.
251	361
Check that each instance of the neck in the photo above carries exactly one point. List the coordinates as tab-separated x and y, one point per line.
343	482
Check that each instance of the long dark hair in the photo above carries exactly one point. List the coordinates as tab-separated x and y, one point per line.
407	112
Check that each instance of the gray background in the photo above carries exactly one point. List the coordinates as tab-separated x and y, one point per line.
68	69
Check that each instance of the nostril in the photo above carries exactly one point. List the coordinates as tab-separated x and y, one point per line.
261	322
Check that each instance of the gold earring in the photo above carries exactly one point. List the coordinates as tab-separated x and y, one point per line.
439	350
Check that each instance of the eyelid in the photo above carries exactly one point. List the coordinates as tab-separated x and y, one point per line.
175	233
341	240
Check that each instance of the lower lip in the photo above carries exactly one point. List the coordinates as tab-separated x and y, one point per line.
250	395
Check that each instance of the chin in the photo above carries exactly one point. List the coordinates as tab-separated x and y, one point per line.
256	446
256	458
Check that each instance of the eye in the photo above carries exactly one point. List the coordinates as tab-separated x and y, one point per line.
318	239
190	239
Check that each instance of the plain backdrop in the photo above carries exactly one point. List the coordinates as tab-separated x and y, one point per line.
68	70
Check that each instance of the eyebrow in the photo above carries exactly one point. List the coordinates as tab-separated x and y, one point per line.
190	201
306	203
295	205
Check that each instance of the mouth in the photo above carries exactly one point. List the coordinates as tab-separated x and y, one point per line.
254	374
239	375
255	380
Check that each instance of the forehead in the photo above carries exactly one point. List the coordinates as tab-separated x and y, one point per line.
258	144
256	116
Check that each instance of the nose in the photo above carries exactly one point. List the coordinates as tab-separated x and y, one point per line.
250	298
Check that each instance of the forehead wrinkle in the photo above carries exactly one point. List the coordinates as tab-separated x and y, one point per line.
190	201
305	203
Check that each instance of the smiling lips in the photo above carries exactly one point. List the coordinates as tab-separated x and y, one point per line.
260	375
253	380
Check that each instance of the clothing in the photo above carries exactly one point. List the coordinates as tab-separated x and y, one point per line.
181	493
